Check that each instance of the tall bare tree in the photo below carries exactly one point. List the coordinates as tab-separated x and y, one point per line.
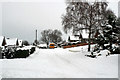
51	36
45	35
84	15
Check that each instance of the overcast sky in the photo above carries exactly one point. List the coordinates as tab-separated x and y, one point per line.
21	19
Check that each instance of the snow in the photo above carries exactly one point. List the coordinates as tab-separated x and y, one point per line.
26	47
43	45
109	26
61	63
11	41
74	38
0	69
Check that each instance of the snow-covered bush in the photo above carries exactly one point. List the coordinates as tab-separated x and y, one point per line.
32	50
109	37
17	52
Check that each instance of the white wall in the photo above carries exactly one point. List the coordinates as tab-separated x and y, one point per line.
119	9
0	19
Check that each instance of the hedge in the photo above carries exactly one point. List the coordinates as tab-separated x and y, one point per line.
32	50
21	54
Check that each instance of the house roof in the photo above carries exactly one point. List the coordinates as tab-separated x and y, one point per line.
1	40
11	41
74	38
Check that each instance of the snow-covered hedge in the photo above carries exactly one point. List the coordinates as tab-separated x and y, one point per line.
32	50
25	52
21	54
11	52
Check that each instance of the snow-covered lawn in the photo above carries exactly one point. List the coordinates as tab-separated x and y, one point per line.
0	69
61	63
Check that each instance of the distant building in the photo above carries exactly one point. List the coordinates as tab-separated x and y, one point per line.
82	37
10	42
2	41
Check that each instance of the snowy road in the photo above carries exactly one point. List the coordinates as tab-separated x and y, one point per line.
61	63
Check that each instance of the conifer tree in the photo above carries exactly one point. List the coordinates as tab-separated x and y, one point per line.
109	36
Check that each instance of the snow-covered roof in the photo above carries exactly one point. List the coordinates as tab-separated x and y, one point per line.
42	45
74	38
26	47
1	40
11	41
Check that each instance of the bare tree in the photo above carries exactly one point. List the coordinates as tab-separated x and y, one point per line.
51	36
56	36
45	36
84	15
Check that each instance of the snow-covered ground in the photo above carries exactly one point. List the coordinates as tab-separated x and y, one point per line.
0	69
61	63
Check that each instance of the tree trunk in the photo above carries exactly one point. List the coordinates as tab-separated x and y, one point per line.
89	41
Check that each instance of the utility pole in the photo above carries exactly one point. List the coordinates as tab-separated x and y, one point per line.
36	37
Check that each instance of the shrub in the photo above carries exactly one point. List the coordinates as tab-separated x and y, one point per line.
116	51
32	50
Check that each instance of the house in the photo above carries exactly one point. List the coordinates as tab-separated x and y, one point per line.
73	38
2	41
82	37
12	42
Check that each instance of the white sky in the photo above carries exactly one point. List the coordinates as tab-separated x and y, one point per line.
23	18
20	18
